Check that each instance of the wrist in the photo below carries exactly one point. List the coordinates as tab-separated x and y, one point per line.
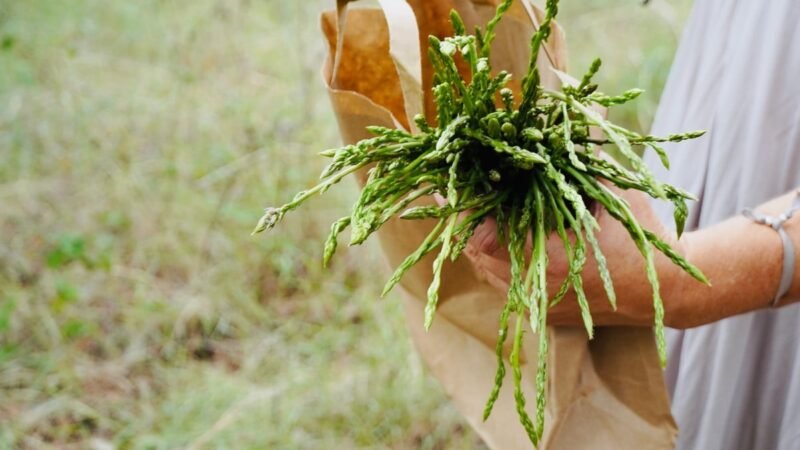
792	228
782	210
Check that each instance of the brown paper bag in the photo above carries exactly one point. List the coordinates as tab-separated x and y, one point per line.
607	393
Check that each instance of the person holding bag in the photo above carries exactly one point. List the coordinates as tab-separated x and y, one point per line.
734	356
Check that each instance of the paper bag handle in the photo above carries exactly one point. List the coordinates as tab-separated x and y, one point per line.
404	49
341	19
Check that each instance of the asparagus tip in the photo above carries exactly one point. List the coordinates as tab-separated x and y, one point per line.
270	218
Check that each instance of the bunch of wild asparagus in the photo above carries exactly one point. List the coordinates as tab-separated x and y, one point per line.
529	163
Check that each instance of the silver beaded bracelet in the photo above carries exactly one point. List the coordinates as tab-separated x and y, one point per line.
776	223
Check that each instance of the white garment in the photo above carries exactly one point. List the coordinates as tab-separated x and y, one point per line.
735	384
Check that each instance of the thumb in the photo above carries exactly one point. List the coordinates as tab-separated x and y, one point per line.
484	241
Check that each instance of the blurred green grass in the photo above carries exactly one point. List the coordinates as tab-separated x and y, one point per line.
138	143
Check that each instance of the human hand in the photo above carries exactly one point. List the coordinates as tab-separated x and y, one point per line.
625	263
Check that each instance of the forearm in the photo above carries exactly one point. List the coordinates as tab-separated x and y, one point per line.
743	261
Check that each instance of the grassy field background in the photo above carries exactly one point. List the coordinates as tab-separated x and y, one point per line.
138	143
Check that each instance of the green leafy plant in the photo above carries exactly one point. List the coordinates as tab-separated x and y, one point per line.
530	163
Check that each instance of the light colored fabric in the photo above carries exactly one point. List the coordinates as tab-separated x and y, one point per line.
736	384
